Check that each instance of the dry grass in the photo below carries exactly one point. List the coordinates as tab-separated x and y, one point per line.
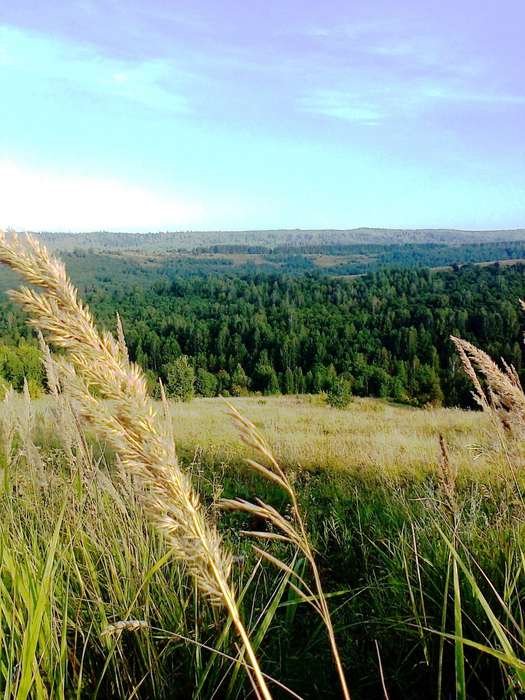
292	529
99	369
371	437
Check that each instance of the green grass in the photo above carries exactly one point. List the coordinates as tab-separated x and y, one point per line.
371	438
76	556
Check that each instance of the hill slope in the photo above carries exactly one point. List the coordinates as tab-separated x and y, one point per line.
187	240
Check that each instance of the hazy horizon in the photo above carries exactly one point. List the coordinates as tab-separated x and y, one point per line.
276	229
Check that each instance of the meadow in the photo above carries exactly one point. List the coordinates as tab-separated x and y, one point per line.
94	605
372	438
272	547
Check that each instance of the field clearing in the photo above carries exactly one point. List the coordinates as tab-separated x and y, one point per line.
370	438
376	533
327	260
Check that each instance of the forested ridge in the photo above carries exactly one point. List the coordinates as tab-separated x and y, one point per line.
385	334
358	259
188	240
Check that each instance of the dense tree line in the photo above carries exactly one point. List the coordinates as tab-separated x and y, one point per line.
277	238
92	268
20	358
363	258
385	334
428	255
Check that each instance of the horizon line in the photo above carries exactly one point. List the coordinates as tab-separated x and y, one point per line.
269	230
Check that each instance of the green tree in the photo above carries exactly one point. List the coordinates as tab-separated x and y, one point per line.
206	383
378	382
239	382
289	382
299	381
427	386
180	379
340	395
273	383
223	381
265	375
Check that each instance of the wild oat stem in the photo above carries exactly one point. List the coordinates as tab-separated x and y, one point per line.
293	531
100	368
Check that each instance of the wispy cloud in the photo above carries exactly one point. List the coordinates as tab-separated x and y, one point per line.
341	105
152	83
371	106
453	94
390	51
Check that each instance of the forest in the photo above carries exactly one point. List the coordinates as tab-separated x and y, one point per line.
385	334
358	259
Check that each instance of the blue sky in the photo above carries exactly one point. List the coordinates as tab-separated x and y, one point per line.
147	116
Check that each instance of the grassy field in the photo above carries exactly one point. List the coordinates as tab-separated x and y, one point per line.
98	606
372	438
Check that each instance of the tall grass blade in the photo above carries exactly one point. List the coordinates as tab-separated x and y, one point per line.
461	688
30	674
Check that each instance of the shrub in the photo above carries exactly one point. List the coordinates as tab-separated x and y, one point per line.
35	389
4	388
206	383
340	394
180	379
239	382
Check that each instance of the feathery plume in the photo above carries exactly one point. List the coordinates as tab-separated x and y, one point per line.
128	420
504	387
293	532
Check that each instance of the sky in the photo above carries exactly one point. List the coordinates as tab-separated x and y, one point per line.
220	114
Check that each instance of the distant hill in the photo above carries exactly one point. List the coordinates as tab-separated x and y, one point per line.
188	240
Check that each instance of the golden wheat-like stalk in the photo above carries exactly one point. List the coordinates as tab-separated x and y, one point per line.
503	397
447	476
291	531
504	386
99	363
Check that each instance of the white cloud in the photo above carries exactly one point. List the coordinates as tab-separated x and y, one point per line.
342	105
33	199
444	92
372	106
153	83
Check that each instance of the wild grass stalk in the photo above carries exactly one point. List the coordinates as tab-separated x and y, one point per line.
8	423
292	531
504	398
100	369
